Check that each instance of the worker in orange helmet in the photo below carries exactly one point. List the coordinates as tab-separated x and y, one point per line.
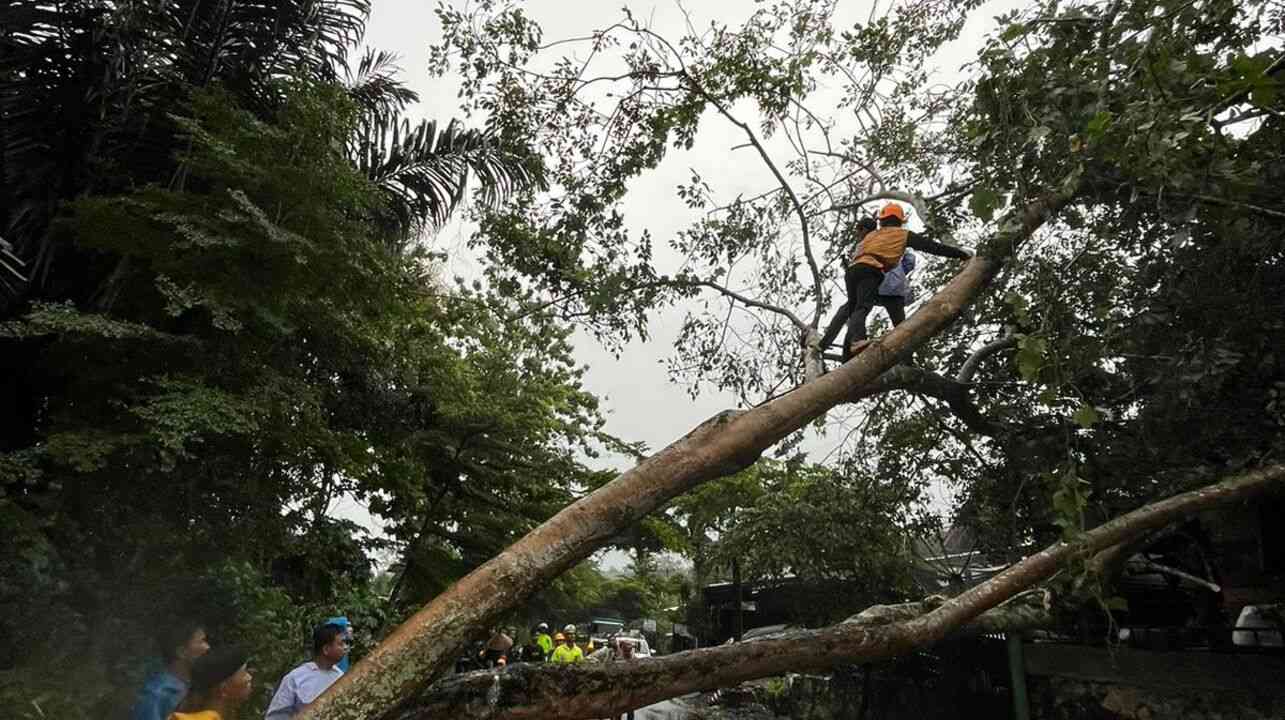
879	251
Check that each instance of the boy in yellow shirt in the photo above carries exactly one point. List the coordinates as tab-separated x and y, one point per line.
220	685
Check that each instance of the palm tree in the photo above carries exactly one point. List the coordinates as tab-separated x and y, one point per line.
423	171
86	87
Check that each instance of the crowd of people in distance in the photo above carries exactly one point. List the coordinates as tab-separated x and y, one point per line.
197	683
565	646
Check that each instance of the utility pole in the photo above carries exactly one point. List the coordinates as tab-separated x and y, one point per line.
738	628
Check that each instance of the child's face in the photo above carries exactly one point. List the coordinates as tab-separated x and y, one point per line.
237	688
197	645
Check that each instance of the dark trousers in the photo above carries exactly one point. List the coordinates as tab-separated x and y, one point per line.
863	284
895	305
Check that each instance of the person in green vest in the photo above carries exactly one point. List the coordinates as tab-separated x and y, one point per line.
566	651
543	640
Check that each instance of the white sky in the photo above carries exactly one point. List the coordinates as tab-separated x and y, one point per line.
637	397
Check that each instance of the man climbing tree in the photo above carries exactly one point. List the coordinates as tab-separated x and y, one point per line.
877	253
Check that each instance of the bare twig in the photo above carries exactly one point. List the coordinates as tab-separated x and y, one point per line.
1237	203
1182	575
750	135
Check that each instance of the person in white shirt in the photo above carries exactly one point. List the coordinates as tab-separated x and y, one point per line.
303	684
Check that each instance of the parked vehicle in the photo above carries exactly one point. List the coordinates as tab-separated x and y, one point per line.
608	651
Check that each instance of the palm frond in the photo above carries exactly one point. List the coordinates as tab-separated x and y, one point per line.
12	279
246	44
374	85
424	173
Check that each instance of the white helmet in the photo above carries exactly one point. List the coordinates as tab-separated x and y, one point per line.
570	628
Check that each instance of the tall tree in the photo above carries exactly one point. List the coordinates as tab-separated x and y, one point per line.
264	353
109	73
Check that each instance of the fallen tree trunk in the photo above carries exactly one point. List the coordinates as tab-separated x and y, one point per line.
601	690
428	643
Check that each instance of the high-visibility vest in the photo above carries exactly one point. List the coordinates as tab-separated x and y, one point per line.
567	654
881	249
545	642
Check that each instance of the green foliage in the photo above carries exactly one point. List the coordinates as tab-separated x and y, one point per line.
817	523
258	353
984	203
1070	498
1030	356
1144	350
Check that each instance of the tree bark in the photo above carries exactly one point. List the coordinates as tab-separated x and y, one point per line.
997	605
428	643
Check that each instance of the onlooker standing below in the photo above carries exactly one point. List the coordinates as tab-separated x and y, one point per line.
303	684
567	651
530	651
220	684
181	645
543	640
349	635
497	647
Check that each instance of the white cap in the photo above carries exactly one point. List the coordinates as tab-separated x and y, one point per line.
570	628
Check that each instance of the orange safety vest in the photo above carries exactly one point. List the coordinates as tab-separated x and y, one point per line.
881	249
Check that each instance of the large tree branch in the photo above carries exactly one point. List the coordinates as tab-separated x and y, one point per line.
428	643
997	605
549	691
970	366
918	380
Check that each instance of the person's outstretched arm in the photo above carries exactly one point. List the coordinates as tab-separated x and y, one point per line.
932	247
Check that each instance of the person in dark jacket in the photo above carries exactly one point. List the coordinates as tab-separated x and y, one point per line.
221	683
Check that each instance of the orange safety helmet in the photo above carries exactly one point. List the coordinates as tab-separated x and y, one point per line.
559	636
892	209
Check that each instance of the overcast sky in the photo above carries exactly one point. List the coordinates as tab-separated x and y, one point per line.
640	402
